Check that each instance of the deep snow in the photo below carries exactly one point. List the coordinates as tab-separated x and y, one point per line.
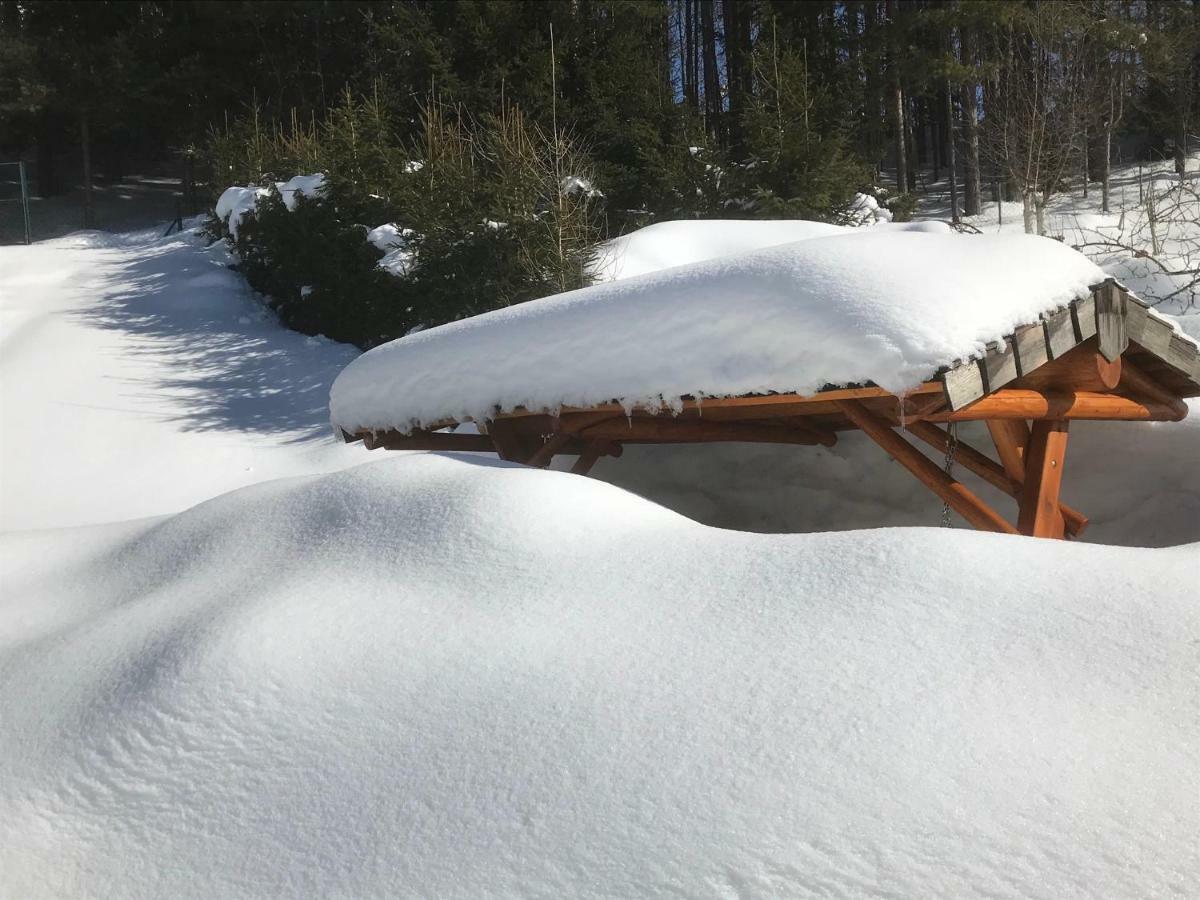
442	675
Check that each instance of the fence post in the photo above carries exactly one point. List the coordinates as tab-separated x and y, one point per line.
25	201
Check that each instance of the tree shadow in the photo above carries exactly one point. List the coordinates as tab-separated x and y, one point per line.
206	351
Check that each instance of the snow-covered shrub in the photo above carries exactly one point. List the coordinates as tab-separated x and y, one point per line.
493	211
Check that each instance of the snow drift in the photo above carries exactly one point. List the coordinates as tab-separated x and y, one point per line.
880	304
434	676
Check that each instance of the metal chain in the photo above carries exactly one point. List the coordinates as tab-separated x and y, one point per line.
951	446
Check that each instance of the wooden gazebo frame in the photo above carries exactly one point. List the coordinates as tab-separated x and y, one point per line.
1103	357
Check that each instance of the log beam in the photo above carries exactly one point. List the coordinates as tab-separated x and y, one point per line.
1014	403
427	440
669	430
1138	383
959	498
1040	515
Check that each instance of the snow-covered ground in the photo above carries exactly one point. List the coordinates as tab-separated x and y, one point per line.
139	376
441	675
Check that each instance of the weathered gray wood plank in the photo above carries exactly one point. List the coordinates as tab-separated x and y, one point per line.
1083	314
963	384
1110	304
1181	354
1156	337
999	365
1030	344
1135	319
1060	333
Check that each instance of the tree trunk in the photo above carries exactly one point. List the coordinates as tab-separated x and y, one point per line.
972	192
1039	202
950	157
712	80
85	145
734	14
897	101
1105	165
1027	211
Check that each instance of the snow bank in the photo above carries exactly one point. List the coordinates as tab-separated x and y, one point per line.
433	677
880	304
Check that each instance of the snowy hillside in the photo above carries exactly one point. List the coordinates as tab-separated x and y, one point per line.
443	675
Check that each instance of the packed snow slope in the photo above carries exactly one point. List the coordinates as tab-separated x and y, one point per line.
880	304
446	677
138	376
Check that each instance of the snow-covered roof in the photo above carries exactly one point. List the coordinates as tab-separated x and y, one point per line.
882	305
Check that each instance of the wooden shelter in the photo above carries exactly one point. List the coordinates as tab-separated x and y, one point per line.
1106	356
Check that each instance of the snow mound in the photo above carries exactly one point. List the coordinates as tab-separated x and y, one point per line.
393	242
300	186
237	202
880	304
433	676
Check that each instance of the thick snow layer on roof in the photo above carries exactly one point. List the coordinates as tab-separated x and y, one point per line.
435	677
881	304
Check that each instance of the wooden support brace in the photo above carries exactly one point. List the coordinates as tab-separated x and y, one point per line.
1040	514
1011	437
1074	522
959	498
545	453
586	460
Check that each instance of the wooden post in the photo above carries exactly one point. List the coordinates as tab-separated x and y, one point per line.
1074	522
960	499
1040	515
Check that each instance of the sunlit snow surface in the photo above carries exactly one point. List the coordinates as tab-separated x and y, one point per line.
446	676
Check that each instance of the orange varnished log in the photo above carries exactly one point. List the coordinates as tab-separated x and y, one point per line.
669	430
993	473
1011	437
1138	383
1013	403
960	499
1040	515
